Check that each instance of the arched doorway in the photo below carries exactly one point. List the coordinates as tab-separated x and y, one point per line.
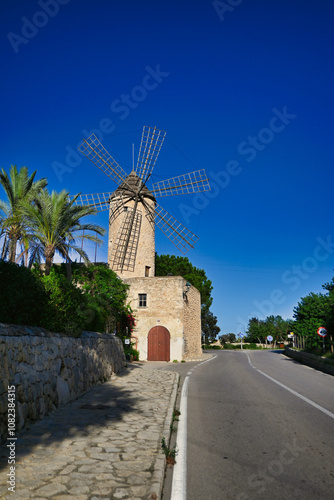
158	344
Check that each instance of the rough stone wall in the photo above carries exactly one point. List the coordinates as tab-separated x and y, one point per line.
167	307
322	364
48	369
192	325
146	244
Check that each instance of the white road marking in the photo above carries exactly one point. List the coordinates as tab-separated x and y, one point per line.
179	483
312	403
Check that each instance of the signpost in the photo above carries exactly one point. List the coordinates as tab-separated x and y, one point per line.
291	335
270	338
322	332
241	335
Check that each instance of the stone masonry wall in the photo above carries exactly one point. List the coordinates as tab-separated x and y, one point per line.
49	369
311	360
192	325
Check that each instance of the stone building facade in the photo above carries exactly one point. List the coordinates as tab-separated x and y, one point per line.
168	318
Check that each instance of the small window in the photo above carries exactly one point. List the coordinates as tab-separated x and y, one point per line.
147	271
142	300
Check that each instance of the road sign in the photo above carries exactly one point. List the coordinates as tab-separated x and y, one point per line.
241	335
322	332
270	338
127	341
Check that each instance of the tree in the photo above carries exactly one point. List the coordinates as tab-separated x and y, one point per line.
311	313
329	312
228	337
55	223
277	327
20	189
256	331
210	329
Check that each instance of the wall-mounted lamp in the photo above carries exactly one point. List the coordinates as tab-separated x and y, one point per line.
188	285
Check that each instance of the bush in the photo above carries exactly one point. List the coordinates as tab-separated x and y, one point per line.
23	297
68	310
229	346
106	296
211	346
134	353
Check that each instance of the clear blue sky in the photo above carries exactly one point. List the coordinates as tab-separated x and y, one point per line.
243	89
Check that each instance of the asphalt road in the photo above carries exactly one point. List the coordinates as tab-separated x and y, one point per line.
250	438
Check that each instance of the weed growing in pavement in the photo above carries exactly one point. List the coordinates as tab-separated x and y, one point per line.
176	414
169	454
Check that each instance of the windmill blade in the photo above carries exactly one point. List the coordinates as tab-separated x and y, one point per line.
151	142
98	200
117	206
149	212
176	232
124	250
96	153
194	182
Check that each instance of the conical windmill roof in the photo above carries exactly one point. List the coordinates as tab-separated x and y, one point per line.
132	182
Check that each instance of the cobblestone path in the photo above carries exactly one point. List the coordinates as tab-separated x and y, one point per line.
104	445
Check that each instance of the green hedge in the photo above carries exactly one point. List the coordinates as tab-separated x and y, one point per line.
204	346
23	297
244	346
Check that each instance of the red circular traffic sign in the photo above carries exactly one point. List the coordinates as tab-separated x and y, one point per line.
322	332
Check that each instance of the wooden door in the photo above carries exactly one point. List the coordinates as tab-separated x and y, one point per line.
158	348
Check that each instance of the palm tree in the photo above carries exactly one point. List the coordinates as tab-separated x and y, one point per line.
20	189
55	224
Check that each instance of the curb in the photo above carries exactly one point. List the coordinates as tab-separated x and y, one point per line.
160	462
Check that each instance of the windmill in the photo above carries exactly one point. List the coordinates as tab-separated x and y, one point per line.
133	210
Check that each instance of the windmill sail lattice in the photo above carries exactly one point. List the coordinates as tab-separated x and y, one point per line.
131	236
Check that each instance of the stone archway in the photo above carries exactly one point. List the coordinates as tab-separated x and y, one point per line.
158	344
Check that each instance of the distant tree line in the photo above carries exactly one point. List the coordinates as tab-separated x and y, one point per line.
313	311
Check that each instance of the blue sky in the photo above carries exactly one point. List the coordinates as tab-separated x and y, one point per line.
243	89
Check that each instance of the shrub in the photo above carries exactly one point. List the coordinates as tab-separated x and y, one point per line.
106	295
68	308
134	353
23	298
211	346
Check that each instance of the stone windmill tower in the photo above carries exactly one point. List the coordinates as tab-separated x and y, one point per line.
139	258
133	210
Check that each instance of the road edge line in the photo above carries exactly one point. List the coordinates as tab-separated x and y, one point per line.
309	401
158	475
179	483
